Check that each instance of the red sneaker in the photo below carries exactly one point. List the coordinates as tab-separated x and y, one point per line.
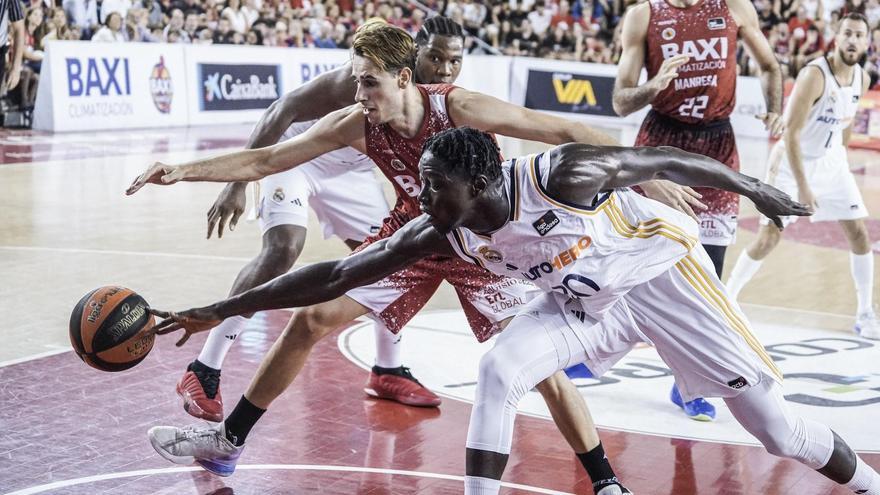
200	392
399	385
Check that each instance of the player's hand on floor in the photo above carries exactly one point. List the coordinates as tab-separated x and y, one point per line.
191	321
772	122
773	204
228	208
682	198
159	173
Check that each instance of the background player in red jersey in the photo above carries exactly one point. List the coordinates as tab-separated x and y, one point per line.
689	50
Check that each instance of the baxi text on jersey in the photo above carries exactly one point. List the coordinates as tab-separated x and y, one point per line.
700	50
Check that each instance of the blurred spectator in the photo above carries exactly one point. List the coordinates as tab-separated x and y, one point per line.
253	37
781	42
558	44
323	39
810	48
137	27
176	24
112	29
238	19
109	6
223	34
82	14
540	17
32	55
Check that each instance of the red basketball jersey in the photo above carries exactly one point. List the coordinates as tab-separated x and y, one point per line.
705	89
398	157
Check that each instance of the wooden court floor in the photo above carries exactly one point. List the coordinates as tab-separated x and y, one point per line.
66	227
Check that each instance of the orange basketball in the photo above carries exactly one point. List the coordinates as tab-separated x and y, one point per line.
109	328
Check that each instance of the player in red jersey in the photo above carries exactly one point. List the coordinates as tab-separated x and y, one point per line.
689	50
390	124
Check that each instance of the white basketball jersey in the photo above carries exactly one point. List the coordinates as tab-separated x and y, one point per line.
595	254
333	163
832	113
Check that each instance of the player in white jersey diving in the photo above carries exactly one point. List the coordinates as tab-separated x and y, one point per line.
615	267
810	162
347	198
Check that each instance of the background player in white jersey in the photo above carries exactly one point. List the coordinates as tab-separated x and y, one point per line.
811	163
348	201
615	268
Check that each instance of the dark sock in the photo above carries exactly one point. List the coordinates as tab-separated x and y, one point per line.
597	466
387	371
716	254
241	420
199	367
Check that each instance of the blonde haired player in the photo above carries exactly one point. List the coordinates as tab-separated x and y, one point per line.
810	163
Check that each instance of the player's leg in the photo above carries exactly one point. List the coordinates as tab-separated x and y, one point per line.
763	412
707	342
862	268
750	259
284	204
531	350
351	206
217	448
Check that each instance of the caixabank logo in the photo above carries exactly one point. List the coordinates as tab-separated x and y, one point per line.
238	87
569	92
161	87
830	376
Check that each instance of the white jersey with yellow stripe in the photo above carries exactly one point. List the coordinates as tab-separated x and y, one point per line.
594	253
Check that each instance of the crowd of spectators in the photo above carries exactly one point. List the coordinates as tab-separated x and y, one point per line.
579	30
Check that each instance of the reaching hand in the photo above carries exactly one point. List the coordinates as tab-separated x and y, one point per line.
191	321
773	203
229	206
682	198
668	72
806	197
159	173
772	122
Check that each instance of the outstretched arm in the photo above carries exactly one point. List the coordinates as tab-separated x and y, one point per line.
319	282
581	172
337	130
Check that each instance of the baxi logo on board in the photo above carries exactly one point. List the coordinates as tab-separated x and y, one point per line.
98	87
160	86
238	87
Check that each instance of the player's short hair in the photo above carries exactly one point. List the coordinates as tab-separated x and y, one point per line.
855	16
388	47
468	150
438	26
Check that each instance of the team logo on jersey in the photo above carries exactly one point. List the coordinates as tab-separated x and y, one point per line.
716	23
398	165
278	195
667	34
490	254
546	223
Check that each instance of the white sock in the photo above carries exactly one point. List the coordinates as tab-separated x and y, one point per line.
865	480
862	268
220	340
387	347
743	271
474	485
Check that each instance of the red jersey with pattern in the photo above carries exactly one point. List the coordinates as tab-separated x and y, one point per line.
705	89
398	157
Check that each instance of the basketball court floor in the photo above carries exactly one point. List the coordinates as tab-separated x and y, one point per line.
66	227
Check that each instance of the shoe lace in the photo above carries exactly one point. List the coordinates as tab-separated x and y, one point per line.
199	435
210	382
406	373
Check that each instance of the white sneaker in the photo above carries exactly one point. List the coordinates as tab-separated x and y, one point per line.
868	326
206	445
614	490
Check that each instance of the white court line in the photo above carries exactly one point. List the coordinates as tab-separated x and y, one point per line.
125	253
266	467
34	356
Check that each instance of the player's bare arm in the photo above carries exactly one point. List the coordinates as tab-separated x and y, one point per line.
319	282
327	93
339	129
808	89
746	17
581	172
628	96
866	83
489	114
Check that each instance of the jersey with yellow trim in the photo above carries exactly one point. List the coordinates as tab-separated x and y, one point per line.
593	253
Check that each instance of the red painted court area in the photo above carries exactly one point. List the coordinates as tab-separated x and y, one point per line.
70	427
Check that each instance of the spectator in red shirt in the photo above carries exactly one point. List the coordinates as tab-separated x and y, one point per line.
809	48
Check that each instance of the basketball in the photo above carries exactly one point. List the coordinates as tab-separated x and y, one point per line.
109	328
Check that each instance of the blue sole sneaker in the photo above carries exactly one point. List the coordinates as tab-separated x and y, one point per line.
698	409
